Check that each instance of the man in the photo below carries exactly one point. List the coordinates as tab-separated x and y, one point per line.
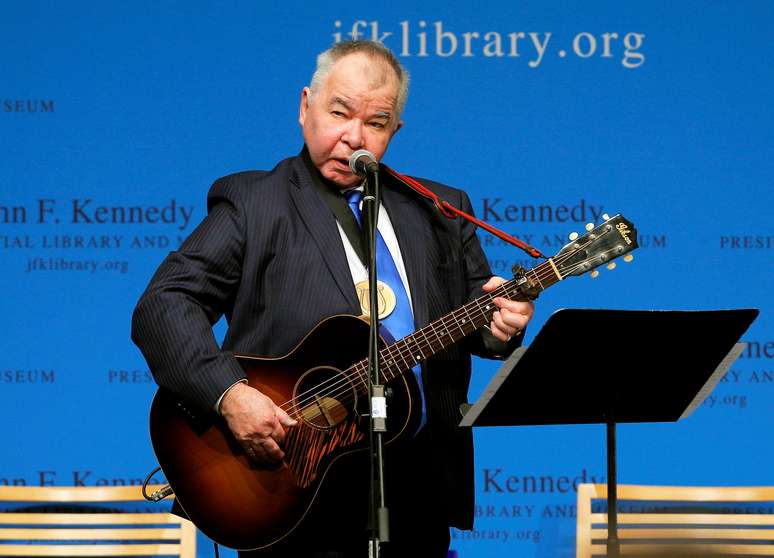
273	255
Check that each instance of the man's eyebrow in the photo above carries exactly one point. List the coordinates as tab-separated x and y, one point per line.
383	114
341	101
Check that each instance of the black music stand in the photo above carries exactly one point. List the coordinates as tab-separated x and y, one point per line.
611	366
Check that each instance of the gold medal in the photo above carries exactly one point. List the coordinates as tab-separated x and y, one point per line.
385	297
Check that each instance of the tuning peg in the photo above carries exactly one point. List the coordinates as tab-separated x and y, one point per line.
605	217
594	274
573	236
628	257
589	226
611	265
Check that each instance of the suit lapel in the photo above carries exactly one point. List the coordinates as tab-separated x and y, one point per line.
410	228
319	221
408	221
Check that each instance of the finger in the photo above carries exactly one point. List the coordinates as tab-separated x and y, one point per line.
270	450
278	434
514	320
264	452
525	309
498	334
501	326
257	454
284	418
493	283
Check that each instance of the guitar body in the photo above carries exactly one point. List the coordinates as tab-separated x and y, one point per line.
245	505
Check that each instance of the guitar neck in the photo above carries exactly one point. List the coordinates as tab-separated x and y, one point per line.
405	354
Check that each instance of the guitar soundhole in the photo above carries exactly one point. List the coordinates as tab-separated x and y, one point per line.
325	397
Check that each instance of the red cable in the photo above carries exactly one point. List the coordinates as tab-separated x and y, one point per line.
451	212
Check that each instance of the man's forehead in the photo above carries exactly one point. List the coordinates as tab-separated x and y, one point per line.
359	73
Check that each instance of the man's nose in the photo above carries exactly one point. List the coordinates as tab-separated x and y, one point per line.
353	135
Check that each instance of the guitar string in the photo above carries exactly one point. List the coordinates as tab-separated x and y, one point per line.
343	380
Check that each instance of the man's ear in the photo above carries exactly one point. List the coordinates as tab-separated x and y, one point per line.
398	127
303	105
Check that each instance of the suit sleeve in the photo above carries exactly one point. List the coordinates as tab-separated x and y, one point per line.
191	290
478	272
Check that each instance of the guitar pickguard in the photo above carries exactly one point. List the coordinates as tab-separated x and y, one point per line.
327	421
308	449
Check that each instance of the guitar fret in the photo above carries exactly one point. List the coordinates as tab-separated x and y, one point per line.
444	331
457	322
432	338
461	333
359	370
405	351
364	372
392	369
488	307
419	344
468	321
537	277
483	309
437	338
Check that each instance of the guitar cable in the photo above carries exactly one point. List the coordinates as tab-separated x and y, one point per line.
159	494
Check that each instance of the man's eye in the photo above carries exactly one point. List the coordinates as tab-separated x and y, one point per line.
377	125
337	113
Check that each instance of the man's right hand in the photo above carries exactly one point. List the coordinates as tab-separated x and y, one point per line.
256	422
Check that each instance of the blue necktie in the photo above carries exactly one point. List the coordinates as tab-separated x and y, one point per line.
400	322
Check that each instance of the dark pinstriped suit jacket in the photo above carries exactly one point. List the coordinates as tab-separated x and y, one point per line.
269	256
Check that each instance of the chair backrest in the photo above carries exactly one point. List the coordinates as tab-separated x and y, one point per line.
686	520
45	521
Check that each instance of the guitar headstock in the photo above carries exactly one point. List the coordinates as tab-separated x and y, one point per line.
614	238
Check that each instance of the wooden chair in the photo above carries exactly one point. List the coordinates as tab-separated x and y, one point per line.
680	520
28	528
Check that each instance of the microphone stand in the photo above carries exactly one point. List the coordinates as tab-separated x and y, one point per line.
378	513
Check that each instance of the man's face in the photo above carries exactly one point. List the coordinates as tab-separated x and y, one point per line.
353	109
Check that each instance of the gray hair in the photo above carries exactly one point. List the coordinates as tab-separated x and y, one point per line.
372	49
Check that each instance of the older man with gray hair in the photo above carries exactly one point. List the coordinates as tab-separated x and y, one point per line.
278	252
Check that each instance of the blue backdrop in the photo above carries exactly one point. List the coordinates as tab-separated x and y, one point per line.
114	120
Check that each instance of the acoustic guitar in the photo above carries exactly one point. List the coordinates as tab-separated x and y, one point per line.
322	383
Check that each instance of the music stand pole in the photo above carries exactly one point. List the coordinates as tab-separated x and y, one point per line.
613	544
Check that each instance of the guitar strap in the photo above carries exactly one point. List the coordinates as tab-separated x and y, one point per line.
450	212
338	206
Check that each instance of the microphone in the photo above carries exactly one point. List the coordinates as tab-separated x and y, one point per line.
363	161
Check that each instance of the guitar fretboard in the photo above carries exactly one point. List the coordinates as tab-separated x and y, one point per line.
406	353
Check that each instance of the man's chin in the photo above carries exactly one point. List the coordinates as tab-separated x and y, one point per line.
342	180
